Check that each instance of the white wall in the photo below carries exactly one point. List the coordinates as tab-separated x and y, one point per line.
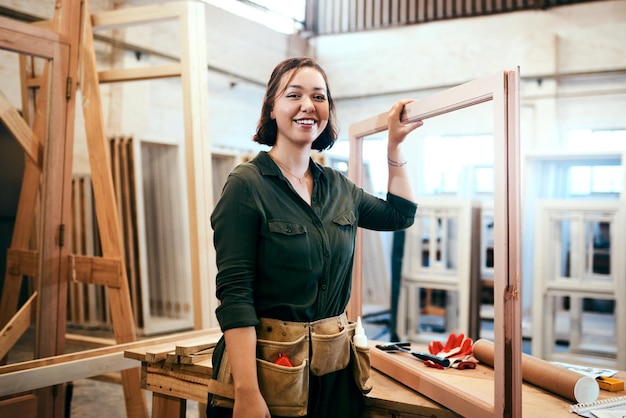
413	60
369	70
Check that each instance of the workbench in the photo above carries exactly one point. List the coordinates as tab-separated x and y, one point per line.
174	379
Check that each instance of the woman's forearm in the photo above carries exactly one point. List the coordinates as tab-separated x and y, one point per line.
241	347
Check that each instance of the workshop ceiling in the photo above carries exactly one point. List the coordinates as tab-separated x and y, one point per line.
331	17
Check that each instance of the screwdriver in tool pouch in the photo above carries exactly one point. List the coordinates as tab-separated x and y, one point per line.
395	347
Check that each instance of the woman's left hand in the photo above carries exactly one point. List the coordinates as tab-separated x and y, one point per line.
398	130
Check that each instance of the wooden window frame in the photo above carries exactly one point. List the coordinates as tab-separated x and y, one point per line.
502	88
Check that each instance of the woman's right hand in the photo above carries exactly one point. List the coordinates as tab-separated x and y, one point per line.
250	405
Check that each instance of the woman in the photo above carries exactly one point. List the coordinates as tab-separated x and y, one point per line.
285	231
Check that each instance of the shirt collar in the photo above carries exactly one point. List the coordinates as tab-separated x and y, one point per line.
268	167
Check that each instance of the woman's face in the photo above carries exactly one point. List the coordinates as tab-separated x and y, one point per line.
301	111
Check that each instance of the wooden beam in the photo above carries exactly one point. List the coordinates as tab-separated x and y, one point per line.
17	326
24	406
34	374
164	380
124	326
198	162
28	39
96	270
136	74
168	406
438	386
20	130
55	213
54	374
22	262
120	18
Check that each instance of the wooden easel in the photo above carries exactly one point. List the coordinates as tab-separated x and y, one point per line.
51	265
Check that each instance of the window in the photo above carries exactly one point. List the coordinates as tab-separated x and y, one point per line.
596	179
444	171
590	140
282	16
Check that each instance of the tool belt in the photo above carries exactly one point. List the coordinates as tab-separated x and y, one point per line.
318	348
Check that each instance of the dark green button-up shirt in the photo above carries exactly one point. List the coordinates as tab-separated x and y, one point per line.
278	257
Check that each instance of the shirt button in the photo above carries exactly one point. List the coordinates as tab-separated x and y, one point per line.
323	287
288	230
318	223
326	254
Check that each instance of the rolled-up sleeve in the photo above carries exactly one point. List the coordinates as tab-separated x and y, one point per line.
235	224
392	214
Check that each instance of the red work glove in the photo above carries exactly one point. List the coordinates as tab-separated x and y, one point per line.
458	350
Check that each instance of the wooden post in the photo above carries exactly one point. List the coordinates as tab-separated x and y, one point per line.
106	212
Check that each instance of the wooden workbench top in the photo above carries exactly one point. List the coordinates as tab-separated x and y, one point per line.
474	386
174	373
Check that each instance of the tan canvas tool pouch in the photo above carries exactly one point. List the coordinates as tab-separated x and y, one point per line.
319	347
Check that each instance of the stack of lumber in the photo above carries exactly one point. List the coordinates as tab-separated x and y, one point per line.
123	173
181	369
88	304
148	196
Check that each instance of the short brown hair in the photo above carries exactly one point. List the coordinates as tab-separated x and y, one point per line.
267	130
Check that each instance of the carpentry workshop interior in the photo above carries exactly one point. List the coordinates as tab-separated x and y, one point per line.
121	121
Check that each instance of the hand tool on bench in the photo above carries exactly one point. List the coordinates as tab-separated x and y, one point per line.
404	347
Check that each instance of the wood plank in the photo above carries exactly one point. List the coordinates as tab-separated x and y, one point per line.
33	374
137	74
28	200
75	303
164	406
96	270
22	262
193	346
56	199
470	384
152	354
130	226
107	216
17	326
170	381
436	384
20	130
23	406
390	398
88	342
55	374
28	39
55	215
125	17
198	163
194	358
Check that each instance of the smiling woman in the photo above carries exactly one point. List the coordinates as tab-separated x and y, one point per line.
285	230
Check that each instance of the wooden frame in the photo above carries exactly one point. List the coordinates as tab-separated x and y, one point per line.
53	265
502	89
195	151
551	284
49	157
451	273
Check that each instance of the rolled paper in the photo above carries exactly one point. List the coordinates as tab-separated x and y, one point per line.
564	382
